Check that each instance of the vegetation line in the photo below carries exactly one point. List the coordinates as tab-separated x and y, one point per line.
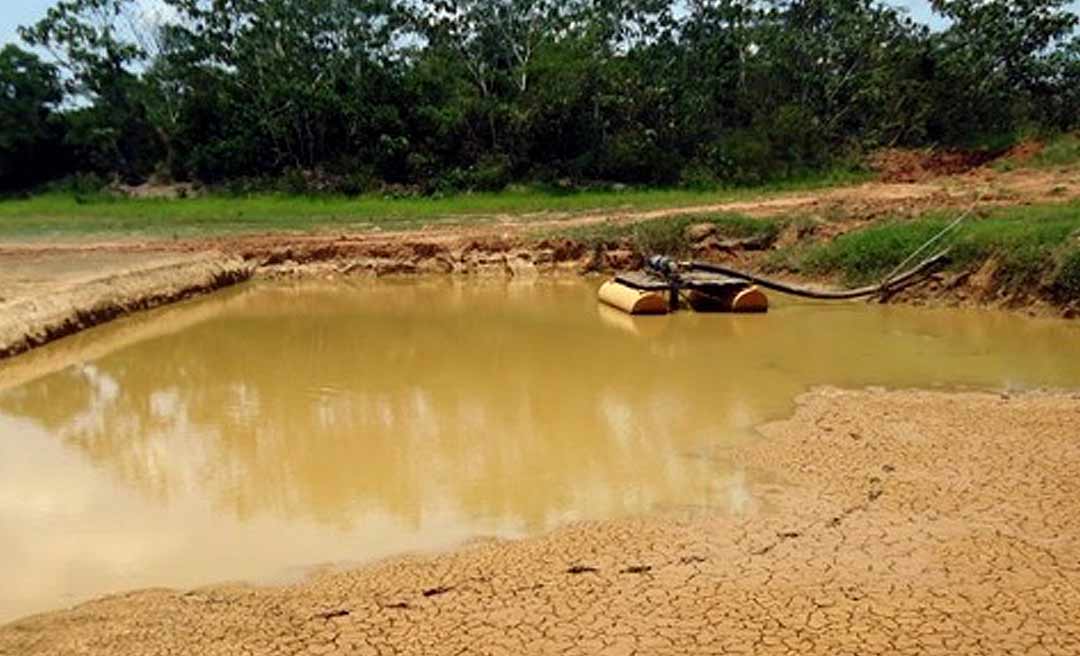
406	97
1026	251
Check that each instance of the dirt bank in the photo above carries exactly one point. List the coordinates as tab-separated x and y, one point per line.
906	523
72	299
48	290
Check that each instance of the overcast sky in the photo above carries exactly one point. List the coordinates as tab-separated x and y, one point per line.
23	12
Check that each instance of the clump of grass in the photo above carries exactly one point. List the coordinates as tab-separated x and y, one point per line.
669	235
1063	150
1066	287
870	254
1031	245
1058	151
1027	242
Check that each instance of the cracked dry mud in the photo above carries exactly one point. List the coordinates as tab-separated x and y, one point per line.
910	523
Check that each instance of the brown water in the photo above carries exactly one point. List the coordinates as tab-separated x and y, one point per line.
254	434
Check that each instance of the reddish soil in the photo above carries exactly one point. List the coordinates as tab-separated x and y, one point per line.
906	165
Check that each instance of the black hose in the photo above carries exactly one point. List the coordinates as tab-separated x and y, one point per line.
892	285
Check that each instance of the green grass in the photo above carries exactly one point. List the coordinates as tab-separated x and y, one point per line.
668	235
67	215
1059	151
1034	246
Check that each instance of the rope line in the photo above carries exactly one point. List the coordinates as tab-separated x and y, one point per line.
897	279
938	237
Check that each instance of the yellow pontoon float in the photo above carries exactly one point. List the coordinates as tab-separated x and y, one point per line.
662	288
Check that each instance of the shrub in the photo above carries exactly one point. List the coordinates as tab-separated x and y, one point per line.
1066	286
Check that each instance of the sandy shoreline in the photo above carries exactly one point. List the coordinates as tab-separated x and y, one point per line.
908	523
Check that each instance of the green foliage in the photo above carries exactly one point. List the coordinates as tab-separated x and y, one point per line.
29	133
476	95
1027	245
1066	287
1003	63
96	45
1063	150
81	186
869	255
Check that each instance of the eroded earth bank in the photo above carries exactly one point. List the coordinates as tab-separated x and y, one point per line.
52	296
903	523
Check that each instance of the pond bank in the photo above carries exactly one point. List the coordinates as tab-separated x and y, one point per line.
57	297
906	523
56	290
62	292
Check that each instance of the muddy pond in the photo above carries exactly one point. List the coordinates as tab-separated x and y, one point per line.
260	432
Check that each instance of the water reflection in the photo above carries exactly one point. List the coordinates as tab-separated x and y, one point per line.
285	425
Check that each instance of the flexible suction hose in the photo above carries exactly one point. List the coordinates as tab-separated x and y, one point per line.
892	285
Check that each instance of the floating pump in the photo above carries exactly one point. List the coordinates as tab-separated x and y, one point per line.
665	286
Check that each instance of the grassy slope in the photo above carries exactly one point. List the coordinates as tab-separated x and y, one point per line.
56	215
1036	249
1063	150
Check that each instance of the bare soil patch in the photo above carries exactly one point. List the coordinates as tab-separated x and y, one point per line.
907	165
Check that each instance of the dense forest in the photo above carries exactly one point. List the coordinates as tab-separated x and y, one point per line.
354	95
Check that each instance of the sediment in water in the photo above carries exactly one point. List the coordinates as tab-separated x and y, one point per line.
908	523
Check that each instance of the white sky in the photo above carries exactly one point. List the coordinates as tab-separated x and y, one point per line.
14	13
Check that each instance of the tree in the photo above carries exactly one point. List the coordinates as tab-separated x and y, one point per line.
475	94
29	94
306	77
94	41
992	62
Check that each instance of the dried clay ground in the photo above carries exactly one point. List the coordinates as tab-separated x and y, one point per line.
893	523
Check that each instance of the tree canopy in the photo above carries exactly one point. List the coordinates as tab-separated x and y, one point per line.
351	95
